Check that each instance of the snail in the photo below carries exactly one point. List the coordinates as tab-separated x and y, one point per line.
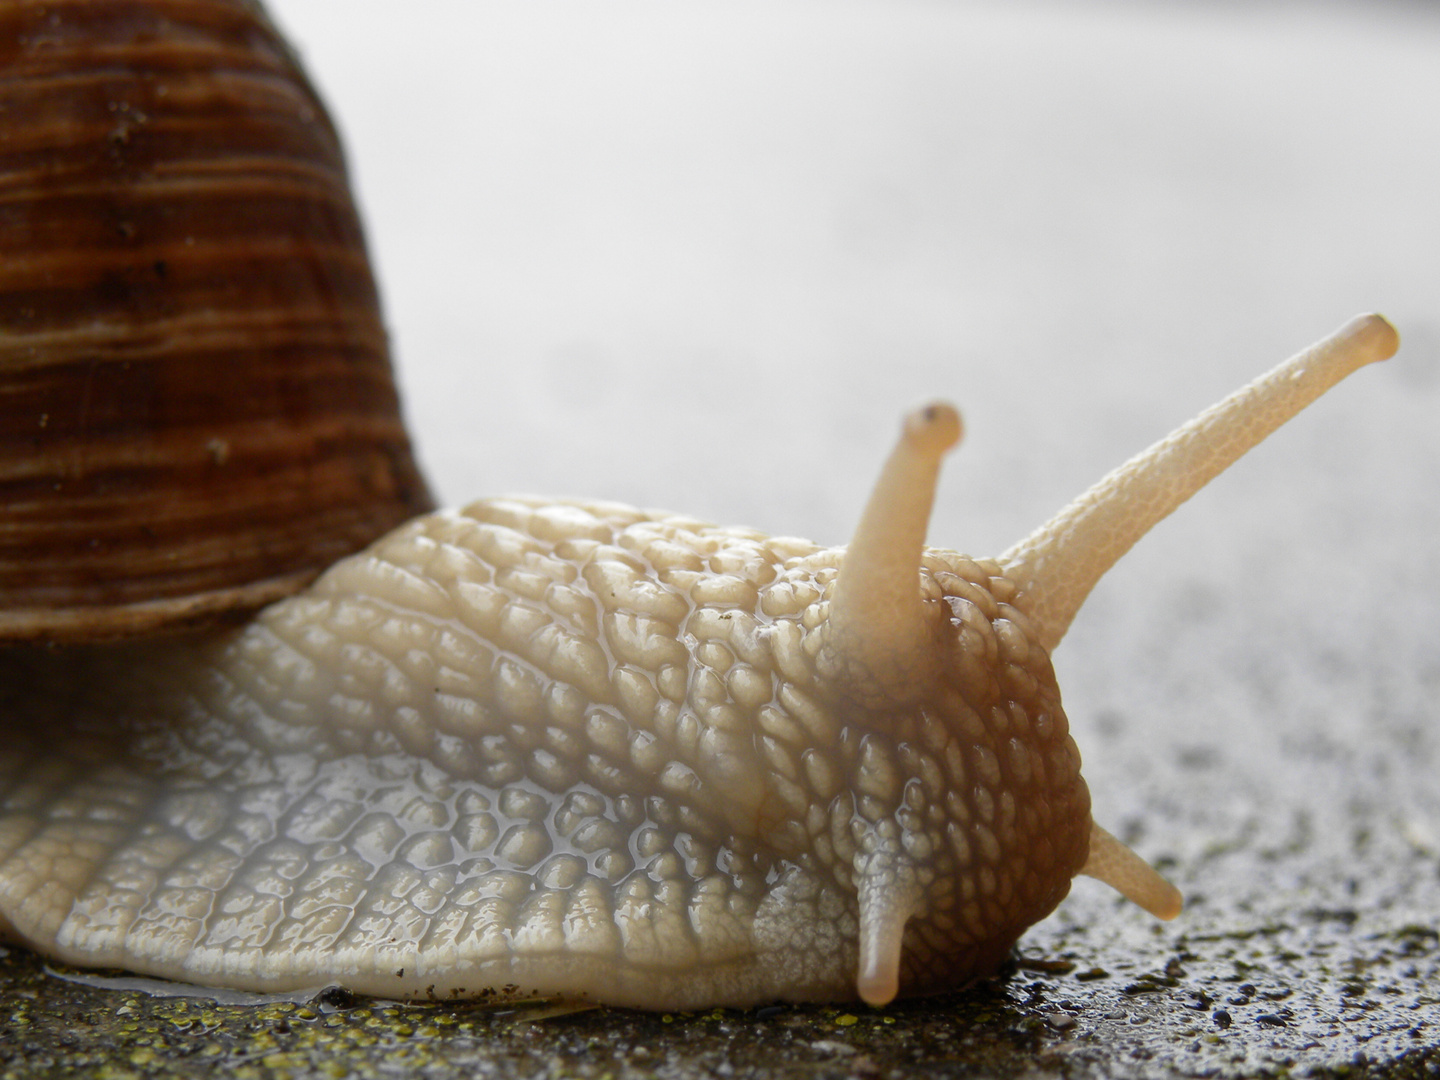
573	749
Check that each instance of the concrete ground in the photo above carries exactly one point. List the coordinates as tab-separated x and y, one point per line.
703	257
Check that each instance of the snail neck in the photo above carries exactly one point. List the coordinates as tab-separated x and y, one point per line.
1056	566
875	643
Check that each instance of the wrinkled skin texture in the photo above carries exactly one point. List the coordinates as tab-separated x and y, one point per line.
557	748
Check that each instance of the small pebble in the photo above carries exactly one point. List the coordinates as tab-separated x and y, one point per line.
1049	967
1060	1021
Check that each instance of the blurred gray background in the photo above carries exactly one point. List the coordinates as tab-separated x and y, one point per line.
703	255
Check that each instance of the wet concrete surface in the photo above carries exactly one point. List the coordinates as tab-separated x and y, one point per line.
1322	994
1081	222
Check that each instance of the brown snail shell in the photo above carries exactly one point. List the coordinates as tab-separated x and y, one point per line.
199	414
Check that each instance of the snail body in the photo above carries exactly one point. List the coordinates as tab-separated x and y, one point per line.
584	751
567	748
525	747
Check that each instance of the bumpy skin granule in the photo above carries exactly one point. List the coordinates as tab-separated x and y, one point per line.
563	748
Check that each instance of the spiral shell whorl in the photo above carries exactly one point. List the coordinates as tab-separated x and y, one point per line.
199	409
